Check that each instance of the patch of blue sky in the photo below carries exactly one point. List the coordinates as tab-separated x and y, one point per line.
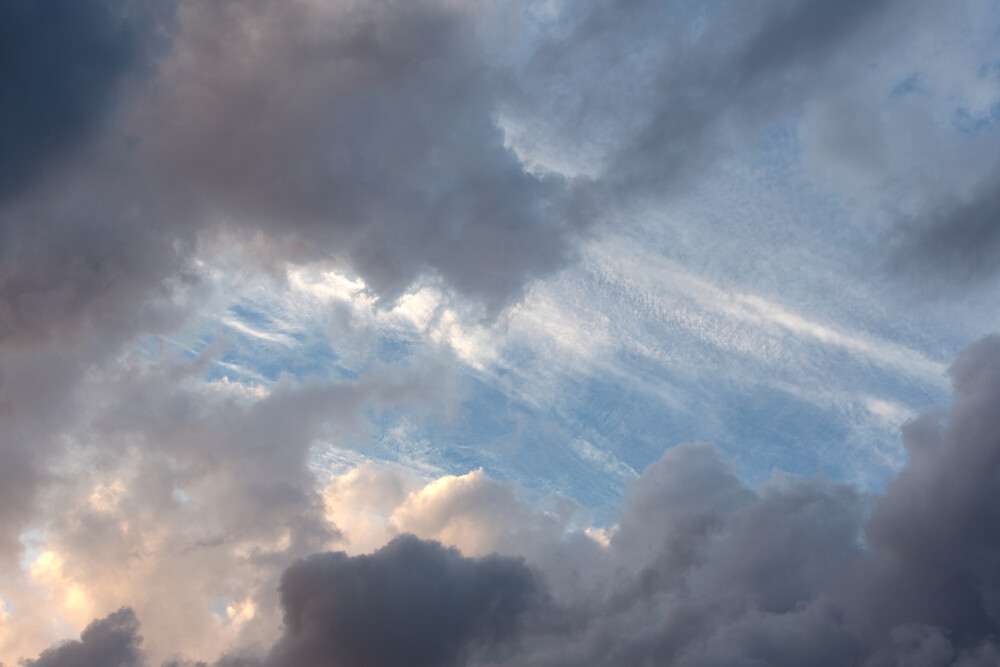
32	546
245	312
220	607
393	348
966	121
758	226
906	87
744	313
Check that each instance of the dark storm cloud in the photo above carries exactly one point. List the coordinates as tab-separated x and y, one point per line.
88	252
937	551
361	133
109	642
411	602
83	269
61	64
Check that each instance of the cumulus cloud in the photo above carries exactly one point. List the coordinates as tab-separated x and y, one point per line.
109	642
411	602
700	569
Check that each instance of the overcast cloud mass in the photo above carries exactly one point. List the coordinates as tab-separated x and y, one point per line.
547	332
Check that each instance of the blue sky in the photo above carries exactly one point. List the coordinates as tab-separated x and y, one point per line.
749	313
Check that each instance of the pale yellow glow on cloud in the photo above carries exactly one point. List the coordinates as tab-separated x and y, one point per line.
106	496
600	535
465	511
70	600
360	502
241	612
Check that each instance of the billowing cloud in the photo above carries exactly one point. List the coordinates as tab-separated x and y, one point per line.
411	602
109	642
361	131
700	569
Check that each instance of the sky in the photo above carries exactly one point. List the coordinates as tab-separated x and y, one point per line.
478	332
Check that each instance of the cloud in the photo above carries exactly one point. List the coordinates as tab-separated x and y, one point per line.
660	90
109	642
700	569
375	136
804	570
952	245
411	602
935	554
62	67
361	132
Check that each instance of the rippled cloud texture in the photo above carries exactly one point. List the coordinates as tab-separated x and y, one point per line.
276	276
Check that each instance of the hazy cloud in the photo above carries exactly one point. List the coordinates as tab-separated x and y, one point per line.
953	245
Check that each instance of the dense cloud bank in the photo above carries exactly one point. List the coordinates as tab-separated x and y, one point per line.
700	570
109	642
411	602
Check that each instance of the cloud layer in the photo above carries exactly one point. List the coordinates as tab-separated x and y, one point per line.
448	155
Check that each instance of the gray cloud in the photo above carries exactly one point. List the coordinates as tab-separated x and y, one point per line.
936	555
411	602
109	642
953	245
62	65
805	571
362	132
653	95
661	90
